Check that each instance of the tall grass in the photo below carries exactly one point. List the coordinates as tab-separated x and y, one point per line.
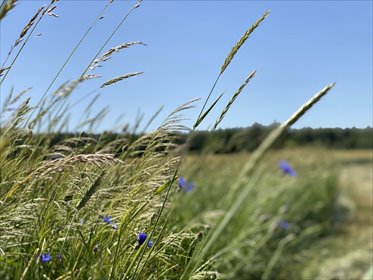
86	208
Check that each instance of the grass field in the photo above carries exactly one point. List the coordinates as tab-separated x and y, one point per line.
347	250
88	214
140	207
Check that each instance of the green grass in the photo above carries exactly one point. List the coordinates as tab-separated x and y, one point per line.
84	201
45	216
305	202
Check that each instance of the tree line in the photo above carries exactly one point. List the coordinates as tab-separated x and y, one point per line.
247	139
233	140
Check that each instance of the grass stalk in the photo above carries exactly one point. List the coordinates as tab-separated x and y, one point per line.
275	134
81	78
241	182
237	93
73	52
231	55
6	6
277	254
25	42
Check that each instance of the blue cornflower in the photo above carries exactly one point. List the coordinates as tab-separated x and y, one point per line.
181	182
286	168
141	237
184	185
107	219
188	187
46	257
284	224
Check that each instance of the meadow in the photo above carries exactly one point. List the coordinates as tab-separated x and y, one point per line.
328	209
141	207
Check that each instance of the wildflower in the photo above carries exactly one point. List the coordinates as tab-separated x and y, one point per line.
141	237
81	222
184	185
115	226
189	187
286	168
283	224
181	182
107	219
46	257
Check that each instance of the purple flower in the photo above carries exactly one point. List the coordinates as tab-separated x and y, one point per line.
107	219
284	224
189	187
181	182
184	185
46	257
141	237
286	168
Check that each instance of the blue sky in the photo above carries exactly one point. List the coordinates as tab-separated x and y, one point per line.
301	47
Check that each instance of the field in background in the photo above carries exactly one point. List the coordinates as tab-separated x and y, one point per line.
346	251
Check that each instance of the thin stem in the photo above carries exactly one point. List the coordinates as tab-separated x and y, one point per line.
2	4
73	51
68	59
208	97
68	230
24	43
111	35
100	50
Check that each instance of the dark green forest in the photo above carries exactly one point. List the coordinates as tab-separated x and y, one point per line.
247	139
231	140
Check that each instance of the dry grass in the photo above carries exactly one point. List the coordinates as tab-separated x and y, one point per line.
6	6
241	41
235	95
120	78
28	26
353	155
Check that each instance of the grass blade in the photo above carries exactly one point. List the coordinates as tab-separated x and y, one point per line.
119	78
6	6
234	98
200	119
240	42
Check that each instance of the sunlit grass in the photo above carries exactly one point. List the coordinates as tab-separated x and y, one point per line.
86	208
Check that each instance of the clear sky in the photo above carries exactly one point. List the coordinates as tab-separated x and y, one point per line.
301	47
